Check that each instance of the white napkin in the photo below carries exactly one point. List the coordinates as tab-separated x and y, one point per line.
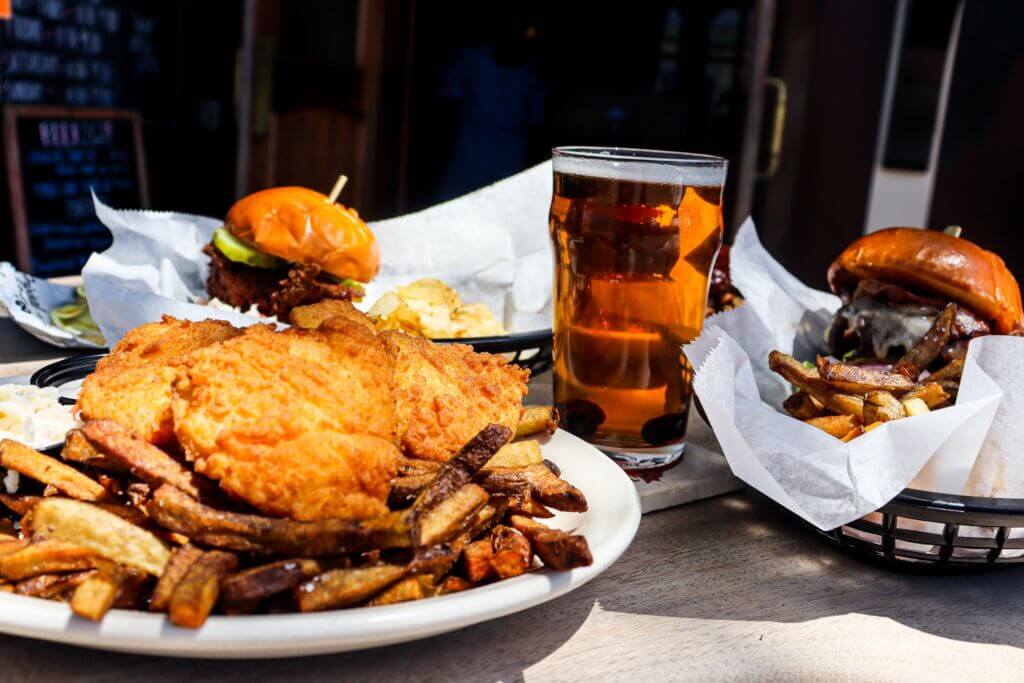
827	482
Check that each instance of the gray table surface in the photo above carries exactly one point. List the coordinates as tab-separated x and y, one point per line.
724	589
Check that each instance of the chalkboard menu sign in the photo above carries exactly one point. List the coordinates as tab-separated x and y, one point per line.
56	157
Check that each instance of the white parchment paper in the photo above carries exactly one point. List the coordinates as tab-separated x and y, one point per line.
28	301
820	478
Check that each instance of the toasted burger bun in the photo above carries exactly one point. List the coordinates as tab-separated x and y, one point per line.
933	262
300	225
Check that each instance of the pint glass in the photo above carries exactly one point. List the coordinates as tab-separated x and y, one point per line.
635	235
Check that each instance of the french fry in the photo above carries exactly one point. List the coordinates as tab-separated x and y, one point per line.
405	489
952	370
438	560
345	587
240	591
803	406
458	471
410	467
406	590
537	419
33	464
455	584
512	553
914	406
103	532
853	434
143	459
196	594
52	586
6	587
476	560
78	449
515	455
928	347
183	514
545	486
47	557
94	597
836	425
873	425
808	380
882	406
174	571
451	516
12	546
22	505
855	379
557	549
931	393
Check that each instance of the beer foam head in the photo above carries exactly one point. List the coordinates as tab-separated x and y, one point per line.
641	165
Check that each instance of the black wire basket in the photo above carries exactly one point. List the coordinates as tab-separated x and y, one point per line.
938	533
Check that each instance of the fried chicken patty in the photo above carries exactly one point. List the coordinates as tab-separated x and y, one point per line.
299	423
133	384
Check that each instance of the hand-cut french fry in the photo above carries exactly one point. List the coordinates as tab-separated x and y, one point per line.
6	587
78	449
512	553
931	393
174	571
408	589
48	557
451	516
405	489
836	425
803	406
178	512
19	504
952	370
476	560
855	379
143	459
882	406
455	584
196	594
33	464
259	583
914	406
52	586
22	505
13	546
438	560
103	532
513	455
545	486
927	349
409	467
557	549
873	425
94	597
808	380
458	471
345	587
536	419
852	434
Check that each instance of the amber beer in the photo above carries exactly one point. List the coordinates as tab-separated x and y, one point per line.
635	236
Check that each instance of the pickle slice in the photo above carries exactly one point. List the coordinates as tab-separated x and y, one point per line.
238	251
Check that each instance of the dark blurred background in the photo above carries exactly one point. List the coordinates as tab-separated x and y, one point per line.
838	116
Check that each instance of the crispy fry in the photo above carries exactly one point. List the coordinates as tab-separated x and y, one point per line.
408	589
143	459
931	393
536	419
52	586
836	425
19	504
476	560
438	560
455	584
853	433
33	464
22	505
914	406
174	571
103	532
518	454
458	471
410	467
856	379
557	549
405	489
78	449
94	597
882	406
178	512
512	553
345	587
259	583
952	370
873	425
545	486
803	406
47	557
808	380
13	546
927	349
451	516
196	594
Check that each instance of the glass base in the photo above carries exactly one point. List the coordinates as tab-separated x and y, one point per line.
644	458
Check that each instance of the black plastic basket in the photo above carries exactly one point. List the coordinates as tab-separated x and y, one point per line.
938	533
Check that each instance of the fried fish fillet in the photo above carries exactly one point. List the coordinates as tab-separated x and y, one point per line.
299	423
446	393
133	384
312	316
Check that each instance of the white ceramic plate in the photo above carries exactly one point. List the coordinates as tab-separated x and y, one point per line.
609	525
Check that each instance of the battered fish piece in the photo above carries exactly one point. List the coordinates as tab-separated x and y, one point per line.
446	393
312	316
299	423
133	384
